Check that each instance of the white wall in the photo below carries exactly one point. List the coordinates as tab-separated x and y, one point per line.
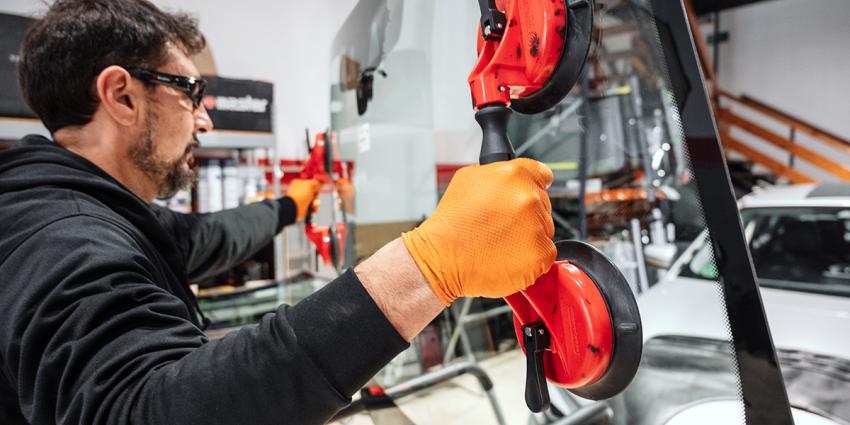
285	42
794	55
20	7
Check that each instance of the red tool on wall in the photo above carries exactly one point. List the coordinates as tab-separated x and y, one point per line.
321	165
579	323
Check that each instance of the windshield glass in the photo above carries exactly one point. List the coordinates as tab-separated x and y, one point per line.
797	248
620	145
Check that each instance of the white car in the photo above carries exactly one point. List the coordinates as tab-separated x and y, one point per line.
799	239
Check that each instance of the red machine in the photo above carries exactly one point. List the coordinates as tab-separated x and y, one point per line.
579	323
329	240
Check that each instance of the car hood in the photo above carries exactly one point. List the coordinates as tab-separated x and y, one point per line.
798	320
681	317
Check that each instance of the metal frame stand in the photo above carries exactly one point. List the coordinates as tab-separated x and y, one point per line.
429	380
598	412
459	333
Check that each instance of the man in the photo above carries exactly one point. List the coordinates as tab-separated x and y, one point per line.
98	326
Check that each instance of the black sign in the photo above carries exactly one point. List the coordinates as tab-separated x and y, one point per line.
244	105
12	31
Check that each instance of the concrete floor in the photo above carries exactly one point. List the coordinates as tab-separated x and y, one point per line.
461	401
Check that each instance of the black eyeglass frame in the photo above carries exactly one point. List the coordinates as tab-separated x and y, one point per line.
193	87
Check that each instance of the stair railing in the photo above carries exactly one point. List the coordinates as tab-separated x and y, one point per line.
728	118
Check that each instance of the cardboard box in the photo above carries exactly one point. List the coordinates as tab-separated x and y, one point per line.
205	61
349	73
369	238
243	105
12	31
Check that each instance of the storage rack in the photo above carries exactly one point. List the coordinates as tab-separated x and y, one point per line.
231	140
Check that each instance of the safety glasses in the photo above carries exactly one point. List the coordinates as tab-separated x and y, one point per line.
193	87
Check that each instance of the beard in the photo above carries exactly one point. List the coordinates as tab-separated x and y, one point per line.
170	176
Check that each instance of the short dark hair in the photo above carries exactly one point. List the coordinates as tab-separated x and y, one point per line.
64	52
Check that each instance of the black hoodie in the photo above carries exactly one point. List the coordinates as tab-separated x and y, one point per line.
97	325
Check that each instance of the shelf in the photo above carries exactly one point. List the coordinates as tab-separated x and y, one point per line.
236	140
13	129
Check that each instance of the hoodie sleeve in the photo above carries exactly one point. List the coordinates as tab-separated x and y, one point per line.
89	338
215	242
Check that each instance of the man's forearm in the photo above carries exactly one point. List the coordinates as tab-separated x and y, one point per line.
214	242
394	282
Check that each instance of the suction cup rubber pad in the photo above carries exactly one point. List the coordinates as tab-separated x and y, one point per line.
577	39
593	319
628	335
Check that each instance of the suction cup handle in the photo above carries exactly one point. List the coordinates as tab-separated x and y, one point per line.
334	245
535	338
328	155
495	145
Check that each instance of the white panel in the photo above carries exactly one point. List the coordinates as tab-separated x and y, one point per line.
395	174
793	55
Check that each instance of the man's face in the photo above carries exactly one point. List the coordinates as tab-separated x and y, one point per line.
164	147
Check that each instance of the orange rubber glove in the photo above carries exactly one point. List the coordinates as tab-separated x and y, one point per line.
491	234
346	194
303	192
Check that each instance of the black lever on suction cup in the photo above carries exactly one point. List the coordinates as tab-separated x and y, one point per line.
493	21
535	339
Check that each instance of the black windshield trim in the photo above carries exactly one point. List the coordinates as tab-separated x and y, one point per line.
762	388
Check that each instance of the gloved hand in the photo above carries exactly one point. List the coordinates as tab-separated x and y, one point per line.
303	192
491	234
346	193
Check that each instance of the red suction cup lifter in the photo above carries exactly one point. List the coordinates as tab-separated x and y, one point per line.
583	316
530	55
518	58
519	48
587	308
328	240
579	323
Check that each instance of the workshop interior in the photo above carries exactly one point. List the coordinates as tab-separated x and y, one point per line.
701	197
